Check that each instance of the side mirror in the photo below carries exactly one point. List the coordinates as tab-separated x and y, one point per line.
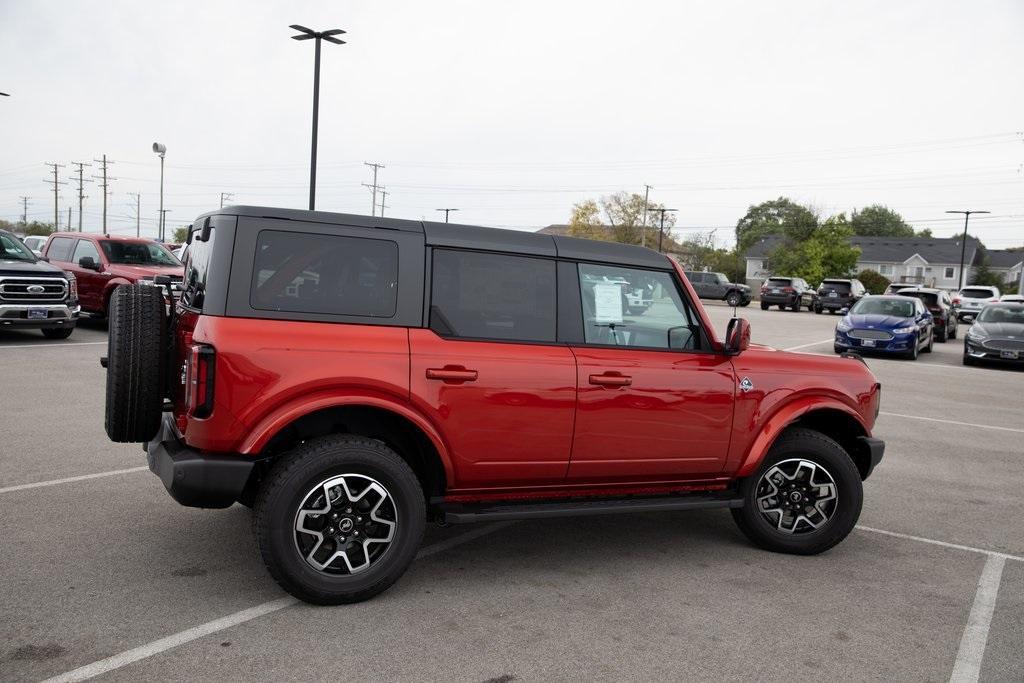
844	310
204	234
89	263
737	336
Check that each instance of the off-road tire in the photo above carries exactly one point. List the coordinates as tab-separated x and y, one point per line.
136	363
288	482
824	451
57	332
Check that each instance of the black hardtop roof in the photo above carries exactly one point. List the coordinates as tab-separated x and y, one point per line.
469	236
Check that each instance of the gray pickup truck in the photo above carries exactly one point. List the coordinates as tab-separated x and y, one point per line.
717	286
33	293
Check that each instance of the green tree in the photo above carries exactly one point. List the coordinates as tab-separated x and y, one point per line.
984	275
36	228
879	221
873	281
619	218
778	216
825	252
180	234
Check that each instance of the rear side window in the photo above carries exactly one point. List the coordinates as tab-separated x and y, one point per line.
310	273
60	249
492	296
197	269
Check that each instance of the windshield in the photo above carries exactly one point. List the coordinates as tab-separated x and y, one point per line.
11	249
1002	314
977	293
878	306
138	254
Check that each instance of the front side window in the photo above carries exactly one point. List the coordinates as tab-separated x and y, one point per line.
326	274
492	296
138	253
85	248
60	249
636	308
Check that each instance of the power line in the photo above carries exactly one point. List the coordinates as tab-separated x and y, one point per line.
56	183
225	196
643	228
374	187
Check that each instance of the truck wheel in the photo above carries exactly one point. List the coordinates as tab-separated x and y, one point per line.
136	363
805	498
733	299
339	519
57	332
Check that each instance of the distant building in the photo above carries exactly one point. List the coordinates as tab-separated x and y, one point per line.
928	261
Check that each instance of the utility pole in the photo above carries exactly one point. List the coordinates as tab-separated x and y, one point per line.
307	34
963	242
446	212
661	230
163	222
226	196
24	209
69	218
105	184
81	195
160	150
374	186
643	229
138	212
56	184
383	198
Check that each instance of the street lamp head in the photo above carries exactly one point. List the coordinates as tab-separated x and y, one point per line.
308	34
159	149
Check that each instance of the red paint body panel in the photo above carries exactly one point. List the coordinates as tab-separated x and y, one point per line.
511	425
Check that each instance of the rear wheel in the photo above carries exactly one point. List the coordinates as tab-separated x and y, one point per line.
796	306
943	335
953	329
764	306
57	332
339	519
817	309
805	498
782	307
136	363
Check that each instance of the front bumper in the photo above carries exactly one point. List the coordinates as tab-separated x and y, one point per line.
875	449
193	478
900	343
57	315
978	352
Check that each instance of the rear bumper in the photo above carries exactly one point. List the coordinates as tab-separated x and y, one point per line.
776	299
193	478
829	304
57	315
875	449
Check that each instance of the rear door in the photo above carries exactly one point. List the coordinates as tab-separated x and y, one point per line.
655	403
488	371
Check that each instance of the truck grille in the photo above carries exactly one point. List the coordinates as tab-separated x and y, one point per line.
33	290
869	334
1004	344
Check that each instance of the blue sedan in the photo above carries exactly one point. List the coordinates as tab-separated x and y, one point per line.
886	324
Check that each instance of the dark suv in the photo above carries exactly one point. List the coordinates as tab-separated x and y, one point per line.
786	292
33	293
717	286
940	305
352	377
837	294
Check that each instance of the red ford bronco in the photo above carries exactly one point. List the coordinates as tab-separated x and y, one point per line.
352	377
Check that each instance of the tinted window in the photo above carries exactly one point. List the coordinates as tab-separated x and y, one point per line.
12	249
197	266
492	296
309	273
1002	314
85	248
60	249
976	293
779	282
635	308
928	298
138	253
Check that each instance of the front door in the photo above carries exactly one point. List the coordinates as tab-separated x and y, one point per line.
90	282
488	372
655	404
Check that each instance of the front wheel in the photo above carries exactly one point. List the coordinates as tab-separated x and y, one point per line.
805	498
733	299
915	343
339	519
764	306
57	332
931	343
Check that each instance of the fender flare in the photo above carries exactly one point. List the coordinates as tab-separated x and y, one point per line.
108	291
270	425
782	419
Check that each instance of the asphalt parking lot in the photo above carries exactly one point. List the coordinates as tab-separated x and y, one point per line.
107	575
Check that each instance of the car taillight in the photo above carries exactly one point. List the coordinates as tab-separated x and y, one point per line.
993	299
199	370
956	300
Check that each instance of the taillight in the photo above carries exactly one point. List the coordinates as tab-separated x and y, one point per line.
993	299
956	300
199	380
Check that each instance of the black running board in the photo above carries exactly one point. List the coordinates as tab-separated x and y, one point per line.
460	513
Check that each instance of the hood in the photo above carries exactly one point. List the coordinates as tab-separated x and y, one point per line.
1003	330
142	272
878	321
28	269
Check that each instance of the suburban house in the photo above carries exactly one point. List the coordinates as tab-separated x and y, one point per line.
929	261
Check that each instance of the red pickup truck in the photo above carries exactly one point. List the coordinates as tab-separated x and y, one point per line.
352	377
101	263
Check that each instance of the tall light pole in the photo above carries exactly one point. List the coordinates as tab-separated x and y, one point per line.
963	242
643	228
661	230
161	150
446	212
306	34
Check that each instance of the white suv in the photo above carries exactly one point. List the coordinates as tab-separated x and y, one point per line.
970	300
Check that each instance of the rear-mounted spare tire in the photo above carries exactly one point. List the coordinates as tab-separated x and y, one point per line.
136	363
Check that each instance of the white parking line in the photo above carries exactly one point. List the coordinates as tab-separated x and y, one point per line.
953	422
943	544
127	657
804	346
51	346
972	644
68	480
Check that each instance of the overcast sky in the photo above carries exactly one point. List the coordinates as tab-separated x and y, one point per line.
513	111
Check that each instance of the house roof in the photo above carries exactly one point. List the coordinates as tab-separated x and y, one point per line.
1003	258
935	250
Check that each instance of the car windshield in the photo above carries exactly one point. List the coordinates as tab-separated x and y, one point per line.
138	253
11	249
1002	314
975	293
878	306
